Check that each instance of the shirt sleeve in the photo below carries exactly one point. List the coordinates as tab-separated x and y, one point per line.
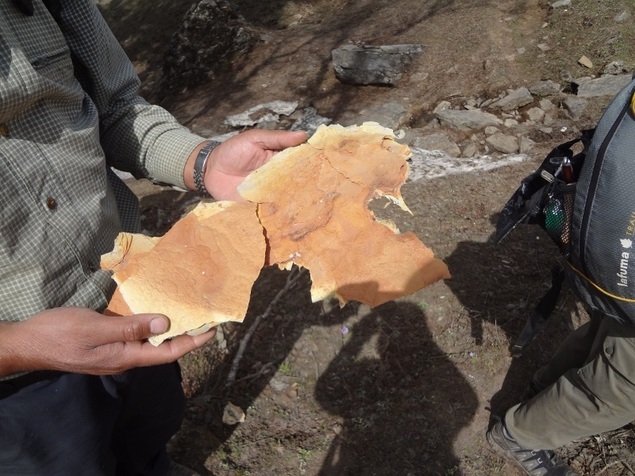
137	137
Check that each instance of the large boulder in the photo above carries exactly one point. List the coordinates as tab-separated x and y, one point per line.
381	65
212	33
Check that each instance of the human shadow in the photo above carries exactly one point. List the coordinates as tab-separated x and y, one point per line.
402	400
273	332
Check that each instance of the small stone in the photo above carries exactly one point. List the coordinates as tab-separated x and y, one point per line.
503	143
470	150
615	67
233	414
586	62
561	3
526	144
509	123
490	130
535	114
442	106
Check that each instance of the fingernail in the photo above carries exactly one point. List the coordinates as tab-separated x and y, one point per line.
158	325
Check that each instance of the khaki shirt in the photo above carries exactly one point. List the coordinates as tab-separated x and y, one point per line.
69	111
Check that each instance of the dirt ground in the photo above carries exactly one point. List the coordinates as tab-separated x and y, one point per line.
406	388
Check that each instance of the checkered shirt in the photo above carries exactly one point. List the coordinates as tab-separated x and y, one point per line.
69	111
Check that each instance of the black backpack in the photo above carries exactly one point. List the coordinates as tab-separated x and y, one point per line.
586	203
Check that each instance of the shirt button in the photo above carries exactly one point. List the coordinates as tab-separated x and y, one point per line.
51	203
4	130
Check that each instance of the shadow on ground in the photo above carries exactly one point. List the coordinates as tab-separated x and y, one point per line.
402	409
501	284
395	402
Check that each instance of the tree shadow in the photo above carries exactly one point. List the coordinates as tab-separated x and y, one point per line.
135	24
376	395
269	346
401	400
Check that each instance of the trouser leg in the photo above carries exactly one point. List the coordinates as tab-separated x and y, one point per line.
65	424
56	426
597	397
151	413
571	354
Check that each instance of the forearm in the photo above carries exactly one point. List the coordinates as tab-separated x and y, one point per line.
136	137
14	355
80	340
150	143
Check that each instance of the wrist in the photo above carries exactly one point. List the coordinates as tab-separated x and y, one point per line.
201	162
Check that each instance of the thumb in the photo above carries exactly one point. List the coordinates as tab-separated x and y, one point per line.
278	140
137	327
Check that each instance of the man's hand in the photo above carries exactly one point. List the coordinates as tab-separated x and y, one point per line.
80	340
240	155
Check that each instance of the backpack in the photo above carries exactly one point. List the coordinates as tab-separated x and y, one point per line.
585	202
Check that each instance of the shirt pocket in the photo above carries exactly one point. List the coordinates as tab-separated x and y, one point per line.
39	64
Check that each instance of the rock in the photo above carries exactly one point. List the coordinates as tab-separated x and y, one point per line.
268	112
441	106
545	88
518	98
546	105
438	141
221	342
615	67
561	3
575	107
548	120
470	150
382	65
491	130
309	121
503	143
233	414
526	144
586	62
467	120
509	123
211	35
535	114
604	86
391	114
472	103
582	80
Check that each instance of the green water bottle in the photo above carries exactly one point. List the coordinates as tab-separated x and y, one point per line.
554	218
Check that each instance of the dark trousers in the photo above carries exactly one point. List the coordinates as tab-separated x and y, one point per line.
54	423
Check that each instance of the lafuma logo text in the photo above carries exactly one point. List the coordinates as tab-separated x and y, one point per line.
622	276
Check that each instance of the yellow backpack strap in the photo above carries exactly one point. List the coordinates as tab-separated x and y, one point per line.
603	291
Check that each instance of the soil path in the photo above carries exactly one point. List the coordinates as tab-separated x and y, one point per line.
407	388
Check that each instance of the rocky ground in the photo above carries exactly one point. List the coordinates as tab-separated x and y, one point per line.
409	387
